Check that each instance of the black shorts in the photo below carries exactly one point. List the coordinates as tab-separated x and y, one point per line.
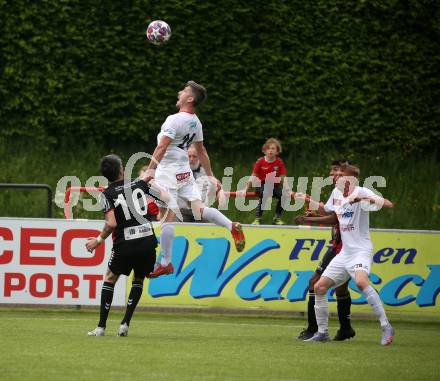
187	216
139	257
328	256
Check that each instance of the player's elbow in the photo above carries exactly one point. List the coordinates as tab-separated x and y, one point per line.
160	150
111	225
333	218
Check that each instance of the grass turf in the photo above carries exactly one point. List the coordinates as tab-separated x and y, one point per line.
45	344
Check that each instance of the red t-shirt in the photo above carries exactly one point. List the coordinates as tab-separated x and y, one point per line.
275	169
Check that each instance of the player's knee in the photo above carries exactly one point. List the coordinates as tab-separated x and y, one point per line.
110	277
320	288
313	280
362	284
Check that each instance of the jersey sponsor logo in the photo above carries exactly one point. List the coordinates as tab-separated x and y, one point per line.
183	176
192	125
348	214
135	232
347	228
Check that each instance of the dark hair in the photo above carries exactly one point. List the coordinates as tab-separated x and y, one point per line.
110	167
199	92
341	161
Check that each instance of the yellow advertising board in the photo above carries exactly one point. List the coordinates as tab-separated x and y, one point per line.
273	272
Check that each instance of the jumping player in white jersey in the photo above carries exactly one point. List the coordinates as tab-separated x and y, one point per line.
351	205
173	173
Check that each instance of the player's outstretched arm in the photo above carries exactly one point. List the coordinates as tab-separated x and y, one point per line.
315	206
376	201
329	219
388	204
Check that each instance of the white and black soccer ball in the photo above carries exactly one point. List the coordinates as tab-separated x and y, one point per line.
158	32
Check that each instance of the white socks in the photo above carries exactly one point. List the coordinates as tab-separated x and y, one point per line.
166	243
321	312
216	217
374	301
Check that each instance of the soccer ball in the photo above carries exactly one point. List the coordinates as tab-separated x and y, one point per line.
158	32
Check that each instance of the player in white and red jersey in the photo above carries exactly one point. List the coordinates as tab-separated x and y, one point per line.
351	204
343	297
173	173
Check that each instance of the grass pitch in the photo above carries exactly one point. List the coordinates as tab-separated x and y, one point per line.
52	345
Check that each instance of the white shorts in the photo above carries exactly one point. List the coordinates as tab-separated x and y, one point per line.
345	265
181	187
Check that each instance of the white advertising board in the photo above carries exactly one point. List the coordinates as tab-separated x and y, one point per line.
44	261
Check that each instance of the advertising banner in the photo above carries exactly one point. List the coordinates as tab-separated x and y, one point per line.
44	261
273	271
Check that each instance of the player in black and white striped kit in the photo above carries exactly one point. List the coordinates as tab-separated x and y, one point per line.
134	244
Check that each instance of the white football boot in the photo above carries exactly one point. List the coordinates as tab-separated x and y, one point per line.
98	331
123	330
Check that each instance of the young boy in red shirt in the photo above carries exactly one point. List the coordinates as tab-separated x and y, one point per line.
270	171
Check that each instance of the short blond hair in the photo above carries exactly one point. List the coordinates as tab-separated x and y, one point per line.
272	141
351	169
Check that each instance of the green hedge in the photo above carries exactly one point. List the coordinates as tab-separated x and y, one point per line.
351	74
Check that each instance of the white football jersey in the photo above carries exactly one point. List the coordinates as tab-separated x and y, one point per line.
183	128
354	221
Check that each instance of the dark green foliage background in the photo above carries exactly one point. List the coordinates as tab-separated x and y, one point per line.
353	74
